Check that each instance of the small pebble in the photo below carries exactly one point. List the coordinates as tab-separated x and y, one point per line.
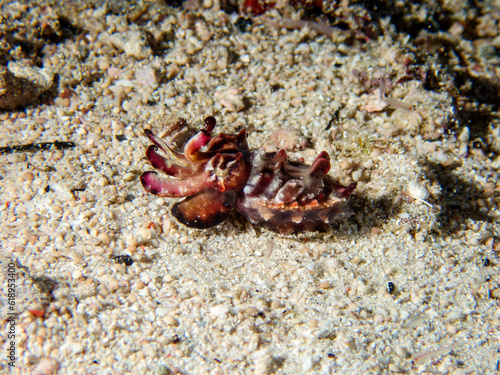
416	299
356	175
456	314
219	312
16	158
418	191
307	364
113	284
231	99
394	368
368	164
143	235
312	324
464	135
463	149
26	197
364	289
170	320
162	370
46	366
195	247
133	43
103	64
104	238
27	176
401	352
303	48
103	291
251	311
168	278
102	181
275	304
77	348
474	242
128	176
325	285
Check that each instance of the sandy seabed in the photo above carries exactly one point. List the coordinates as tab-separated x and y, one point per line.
409	283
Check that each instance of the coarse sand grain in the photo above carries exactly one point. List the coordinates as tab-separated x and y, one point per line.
107	282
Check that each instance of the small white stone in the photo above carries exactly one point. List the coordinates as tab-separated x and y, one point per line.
231	99
430	147
464	135
76	348
143	235
159	201
307	363
456	314
128	176
462	151
46	366
328	74
161	311
356	175
474	242
26	197
219	312
394	368
417	191
104	238
416	299
133	43
103	64
364	289
356	259
16	158
170	320
400	351
368	164
303	48
102	181
251	311
146	77
195	247
102	291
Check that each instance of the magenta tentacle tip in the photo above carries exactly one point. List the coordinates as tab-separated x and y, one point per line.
210	123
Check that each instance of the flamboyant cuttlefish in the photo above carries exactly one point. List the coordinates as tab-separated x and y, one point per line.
220	173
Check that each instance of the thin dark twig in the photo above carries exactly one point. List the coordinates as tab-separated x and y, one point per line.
34	147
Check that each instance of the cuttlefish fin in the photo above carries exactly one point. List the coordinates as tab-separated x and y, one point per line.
203	210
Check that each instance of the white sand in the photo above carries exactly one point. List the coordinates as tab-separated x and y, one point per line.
235	298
